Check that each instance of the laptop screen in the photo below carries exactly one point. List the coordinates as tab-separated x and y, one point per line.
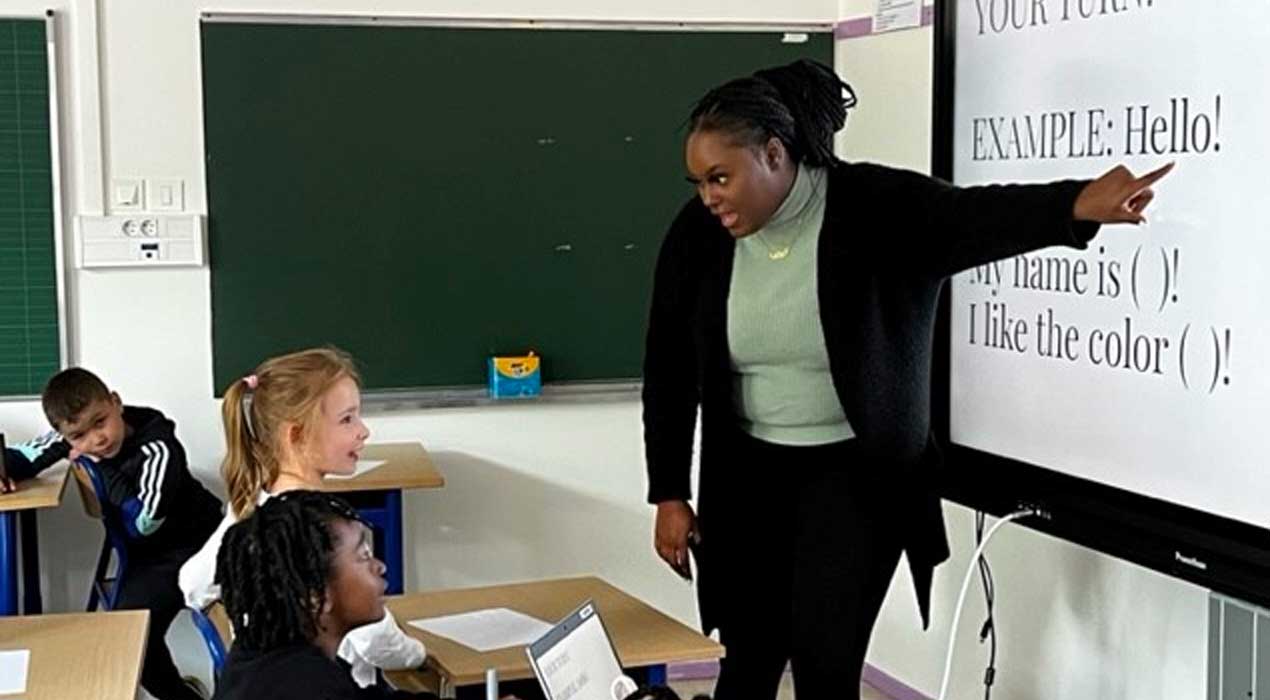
576	660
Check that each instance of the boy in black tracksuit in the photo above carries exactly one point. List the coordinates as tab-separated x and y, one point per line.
150	494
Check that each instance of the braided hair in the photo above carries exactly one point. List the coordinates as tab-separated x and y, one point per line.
273	568
802	103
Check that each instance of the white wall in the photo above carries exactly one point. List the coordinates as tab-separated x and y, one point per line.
532	491
1073	624
547	490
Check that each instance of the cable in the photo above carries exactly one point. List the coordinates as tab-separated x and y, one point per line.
961	598
988	632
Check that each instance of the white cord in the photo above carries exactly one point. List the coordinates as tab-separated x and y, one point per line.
961	599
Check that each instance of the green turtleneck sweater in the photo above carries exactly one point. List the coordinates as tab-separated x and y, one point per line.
781	384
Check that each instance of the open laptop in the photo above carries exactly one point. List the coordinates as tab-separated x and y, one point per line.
576	660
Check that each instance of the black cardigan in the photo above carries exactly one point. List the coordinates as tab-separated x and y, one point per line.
889	240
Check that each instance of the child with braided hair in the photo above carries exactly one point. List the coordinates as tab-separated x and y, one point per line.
296	577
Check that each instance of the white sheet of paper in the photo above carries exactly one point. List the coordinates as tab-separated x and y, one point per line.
486	630
13	665
897	14
363	466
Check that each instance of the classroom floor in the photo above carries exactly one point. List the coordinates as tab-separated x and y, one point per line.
686	689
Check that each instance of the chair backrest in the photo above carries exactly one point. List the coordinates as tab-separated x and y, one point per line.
220	619
213	625
91	487
87	490
105	588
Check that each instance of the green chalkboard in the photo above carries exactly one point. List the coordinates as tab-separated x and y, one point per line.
30	347
427	196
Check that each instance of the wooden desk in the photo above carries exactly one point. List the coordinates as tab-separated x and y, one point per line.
407	466
642	635
81	655
377	496
44	491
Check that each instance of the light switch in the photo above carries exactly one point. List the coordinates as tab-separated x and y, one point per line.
165	194
126	194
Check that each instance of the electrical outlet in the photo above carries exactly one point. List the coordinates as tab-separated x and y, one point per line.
140	240
149	250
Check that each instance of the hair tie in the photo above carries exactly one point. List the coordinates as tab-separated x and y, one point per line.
252	381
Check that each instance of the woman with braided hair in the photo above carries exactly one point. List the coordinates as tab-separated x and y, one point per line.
793	304
296	577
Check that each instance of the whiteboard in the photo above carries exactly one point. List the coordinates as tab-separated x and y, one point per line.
1142	362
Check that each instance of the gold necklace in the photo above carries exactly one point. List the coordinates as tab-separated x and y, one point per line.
782	252
774	252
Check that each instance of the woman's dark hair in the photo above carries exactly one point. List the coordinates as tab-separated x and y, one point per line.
273	568
803	104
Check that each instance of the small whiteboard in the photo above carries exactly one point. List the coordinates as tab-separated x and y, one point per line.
576	660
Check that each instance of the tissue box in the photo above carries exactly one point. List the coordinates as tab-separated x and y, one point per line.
515	377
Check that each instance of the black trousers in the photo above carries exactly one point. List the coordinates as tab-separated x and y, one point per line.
794	562
152	585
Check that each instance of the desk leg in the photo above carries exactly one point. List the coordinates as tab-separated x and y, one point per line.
32	601
8	563
393	542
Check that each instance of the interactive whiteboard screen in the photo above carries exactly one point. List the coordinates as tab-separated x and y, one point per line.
1142	362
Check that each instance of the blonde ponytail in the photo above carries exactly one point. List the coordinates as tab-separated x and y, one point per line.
283	390
248	469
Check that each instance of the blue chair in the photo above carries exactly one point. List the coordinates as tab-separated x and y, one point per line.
213	626
105	586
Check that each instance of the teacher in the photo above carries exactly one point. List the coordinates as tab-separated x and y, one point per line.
794	304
